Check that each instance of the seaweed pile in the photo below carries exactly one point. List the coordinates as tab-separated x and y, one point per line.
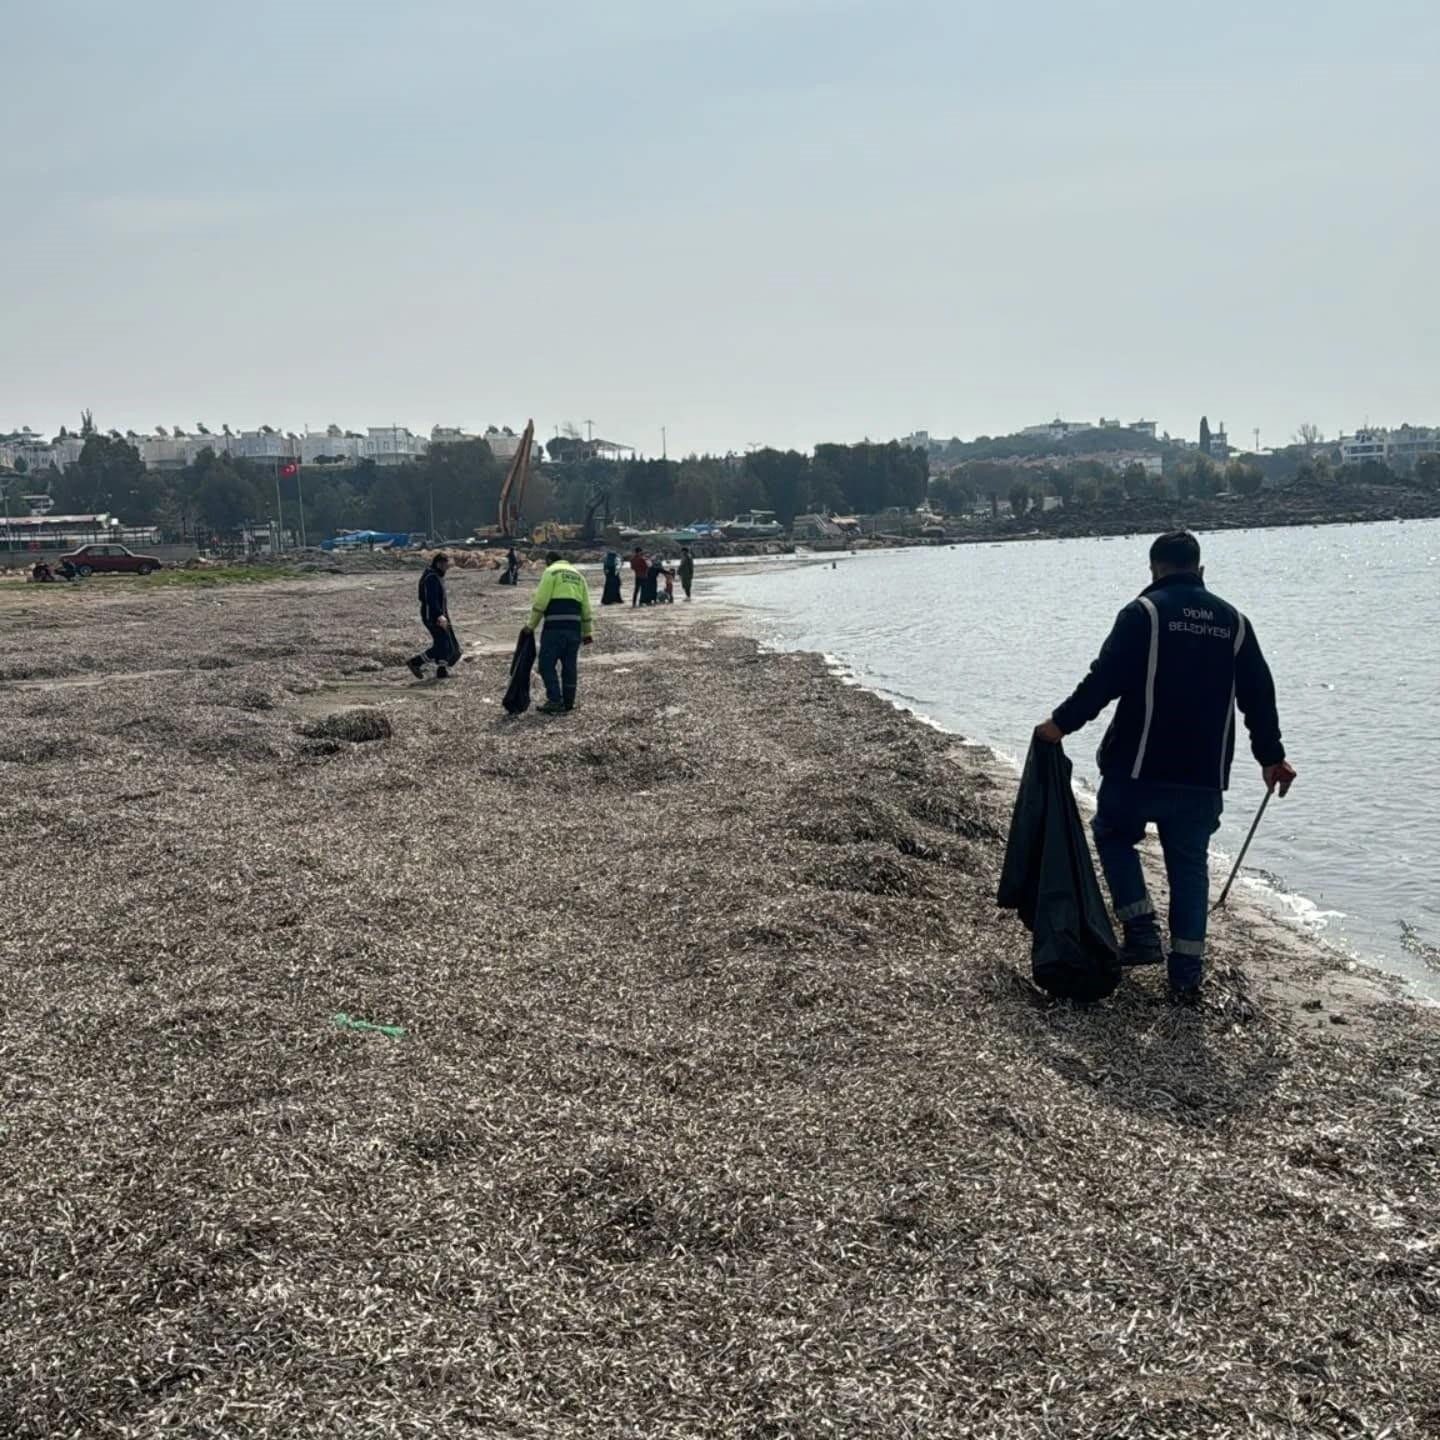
723	1105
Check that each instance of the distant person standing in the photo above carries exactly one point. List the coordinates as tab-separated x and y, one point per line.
612	594
512	567
562	604
1178	659
687	570
641	568
649	589
435	616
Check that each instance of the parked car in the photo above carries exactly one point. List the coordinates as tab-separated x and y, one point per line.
109	559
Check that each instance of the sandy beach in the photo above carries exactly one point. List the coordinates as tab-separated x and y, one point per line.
723	1104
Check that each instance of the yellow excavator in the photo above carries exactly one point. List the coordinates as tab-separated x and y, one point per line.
512	493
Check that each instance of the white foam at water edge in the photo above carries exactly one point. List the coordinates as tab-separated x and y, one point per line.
1298	911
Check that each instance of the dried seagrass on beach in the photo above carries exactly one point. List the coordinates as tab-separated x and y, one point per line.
712	1097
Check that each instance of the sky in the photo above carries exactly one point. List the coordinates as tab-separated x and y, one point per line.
746	221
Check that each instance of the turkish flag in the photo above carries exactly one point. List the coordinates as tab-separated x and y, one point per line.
289	469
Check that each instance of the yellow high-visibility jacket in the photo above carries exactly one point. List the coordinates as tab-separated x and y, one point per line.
562	599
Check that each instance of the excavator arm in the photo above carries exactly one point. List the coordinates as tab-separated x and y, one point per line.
512	493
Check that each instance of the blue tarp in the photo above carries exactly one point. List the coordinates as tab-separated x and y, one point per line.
380	539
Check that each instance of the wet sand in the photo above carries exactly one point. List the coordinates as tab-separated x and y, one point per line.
724	1105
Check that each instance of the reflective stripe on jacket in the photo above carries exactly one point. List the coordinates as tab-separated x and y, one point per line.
1178	659
562	599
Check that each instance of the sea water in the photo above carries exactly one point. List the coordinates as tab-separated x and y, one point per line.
985	639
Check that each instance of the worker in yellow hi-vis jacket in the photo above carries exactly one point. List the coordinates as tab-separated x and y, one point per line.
563	603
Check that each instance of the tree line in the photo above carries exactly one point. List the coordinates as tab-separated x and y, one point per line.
455	489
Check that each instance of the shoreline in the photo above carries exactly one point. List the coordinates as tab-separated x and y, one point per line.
1352	982
724	1104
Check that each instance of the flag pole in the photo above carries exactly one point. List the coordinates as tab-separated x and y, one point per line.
279	511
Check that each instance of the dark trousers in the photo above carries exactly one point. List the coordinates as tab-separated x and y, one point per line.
639	585
1186	818
442	646
560	650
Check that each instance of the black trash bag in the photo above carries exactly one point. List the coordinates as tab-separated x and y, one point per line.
1050	881
522	663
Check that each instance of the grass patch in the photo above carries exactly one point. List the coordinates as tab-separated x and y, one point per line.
214	575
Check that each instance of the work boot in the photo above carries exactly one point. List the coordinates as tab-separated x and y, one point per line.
1187	997
1146	950
441	673
1142	944
416	667
550	707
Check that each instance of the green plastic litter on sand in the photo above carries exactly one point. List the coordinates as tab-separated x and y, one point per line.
348	1022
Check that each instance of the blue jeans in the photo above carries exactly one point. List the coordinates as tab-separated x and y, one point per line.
1186	819
560	650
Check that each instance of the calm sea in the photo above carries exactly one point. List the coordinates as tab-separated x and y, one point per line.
984	639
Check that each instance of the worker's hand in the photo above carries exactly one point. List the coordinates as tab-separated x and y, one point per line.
443	623
1049	732
1282	775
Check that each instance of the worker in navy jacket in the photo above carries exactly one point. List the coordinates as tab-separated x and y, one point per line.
435	617
1178	659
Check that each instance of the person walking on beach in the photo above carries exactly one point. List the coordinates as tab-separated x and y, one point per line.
562	603
435	616
687	570
1178	659
641	567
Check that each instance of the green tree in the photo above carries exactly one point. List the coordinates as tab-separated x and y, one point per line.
1020	497
785	477
1196	477
1136	481
110	478
1062	485
223	497
1244	479
951	494
1427	471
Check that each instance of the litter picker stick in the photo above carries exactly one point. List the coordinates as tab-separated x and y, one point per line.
1259	816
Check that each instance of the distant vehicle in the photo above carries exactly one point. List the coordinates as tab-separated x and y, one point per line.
754	525
109	560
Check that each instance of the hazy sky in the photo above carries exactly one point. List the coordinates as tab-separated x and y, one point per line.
775	221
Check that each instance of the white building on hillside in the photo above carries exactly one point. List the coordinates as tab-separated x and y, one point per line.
1399	448
392	445
262	444
35	453
1058	429
317	446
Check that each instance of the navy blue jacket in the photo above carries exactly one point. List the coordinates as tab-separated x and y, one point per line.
1178	659
433	603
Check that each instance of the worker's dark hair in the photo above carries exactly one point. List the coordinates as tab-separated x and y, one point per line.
551	556
439	557
1178	549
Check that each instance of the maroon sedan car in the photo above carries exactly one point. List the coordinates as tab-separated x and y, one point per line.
108	559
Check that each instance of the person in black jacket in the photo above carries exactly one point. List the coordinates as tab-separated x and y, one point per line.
1178	659
435	616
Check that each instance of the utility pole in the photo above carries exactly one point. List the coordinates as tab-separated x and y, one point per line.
664	451
300	496
1257	439
589	431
